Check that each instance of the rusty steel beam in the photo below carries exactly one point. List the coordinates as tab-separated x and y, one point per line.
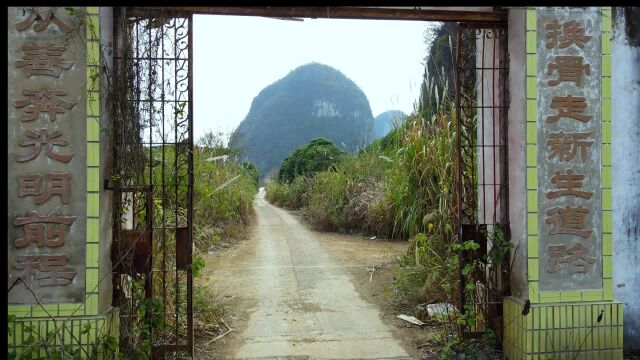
339	12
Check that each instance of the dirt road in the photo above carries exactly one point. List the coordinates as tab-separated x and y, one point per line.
293	293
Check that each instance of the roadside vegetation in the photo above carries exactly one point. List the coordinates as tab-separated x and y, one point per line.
223	194
223	197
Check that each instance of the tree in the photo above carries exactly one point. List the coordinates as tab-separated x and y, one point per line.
212	144
319	155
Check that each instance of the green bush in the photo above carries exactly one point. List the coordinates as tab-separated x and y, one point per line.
288	195
326	197
318	155
276	192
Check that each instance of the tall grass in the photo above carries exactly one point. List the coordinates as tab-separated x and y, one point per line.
424	206
222	200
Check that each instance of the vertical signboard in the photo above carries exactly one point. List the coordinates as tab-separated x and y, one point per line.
569	151
46	155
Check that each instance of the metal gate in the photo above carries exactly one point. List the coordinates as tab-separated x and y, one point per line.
481	181
153	181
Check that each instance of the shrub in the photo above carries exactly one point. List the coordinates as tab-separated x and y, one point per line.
318	155
289	195
326	198
276	192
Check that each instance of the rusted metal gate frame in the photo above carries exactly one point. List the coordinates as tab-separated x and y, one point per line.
175	136
336	12
472	185
496	17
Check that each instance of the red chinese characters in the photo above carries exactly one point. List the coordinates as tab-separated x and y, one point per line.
572	33
41	21
48	270
43	230
45	59
568	220
574	258
55	184
569	107
35	140
43	101
42	242
568	68
569	185
568	150
565	146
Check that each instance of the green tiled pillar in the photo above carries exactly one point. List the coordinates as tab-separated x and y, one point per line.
78	324
564	323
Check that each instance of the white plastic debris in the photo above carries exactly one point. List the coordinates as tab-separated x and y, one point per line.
411	319
440	310
221	157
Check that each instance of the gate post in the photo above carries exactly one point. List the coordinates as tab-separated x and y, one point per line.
59	216
560	186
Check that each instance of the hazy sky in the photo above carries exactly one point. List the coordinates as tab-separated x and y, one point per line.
237	56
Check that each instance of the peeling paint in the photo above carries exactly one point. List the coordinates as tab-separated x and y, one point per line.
631	28
626	168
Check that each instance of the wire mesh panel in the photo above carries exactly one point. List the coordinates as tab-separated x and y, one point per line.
153	167
482	186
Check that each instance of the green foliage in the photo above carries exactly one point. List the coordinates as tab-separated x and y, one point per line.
277	193
253	171
500	246
197	265
207	309
223	193
10	320
389	142
72	11
312	101
327	196
348	196
422	182
111	344
37	344
318	155
212	144
289	195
